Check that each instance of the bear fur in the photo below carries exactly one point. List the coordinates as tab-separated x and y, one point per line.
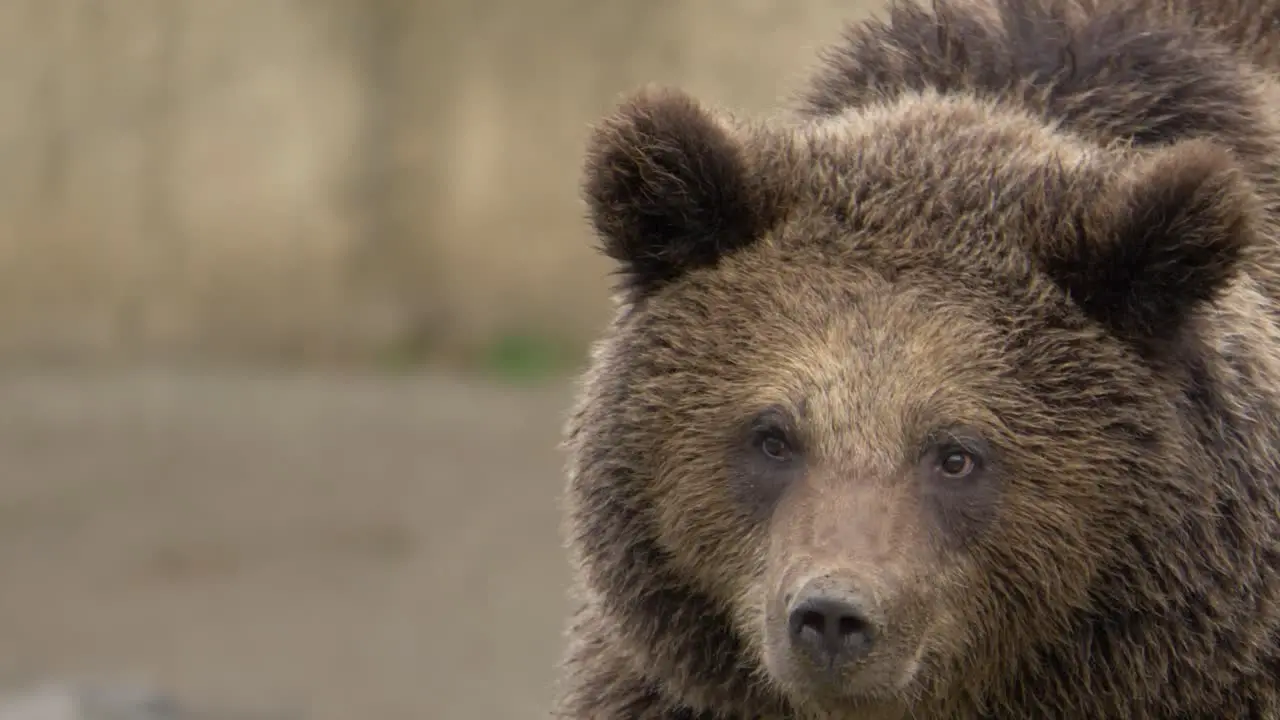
987	330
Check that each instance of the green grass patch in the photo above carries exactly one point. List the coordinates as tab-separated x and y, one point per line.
527	357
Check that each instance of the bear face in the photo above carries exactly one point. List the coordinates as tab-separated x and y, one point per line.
866	431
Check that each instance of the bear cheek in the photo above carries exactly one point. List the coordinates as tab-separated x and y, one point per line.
960	512
756	487
705	533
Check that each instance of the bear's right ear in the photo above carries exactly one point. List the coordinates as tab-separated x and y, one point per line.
668	188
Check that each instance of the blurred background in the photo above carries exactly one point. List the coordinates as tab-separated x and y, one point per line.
291	296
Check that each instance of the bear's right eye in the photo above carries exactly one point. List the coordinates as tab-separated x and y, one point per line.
775	447
957	464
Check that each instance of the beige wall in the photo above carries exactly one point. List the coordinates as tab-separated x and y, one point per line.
320	178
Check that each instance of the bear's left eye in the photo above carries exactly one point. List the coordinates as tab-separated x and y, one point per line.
775	447
957	463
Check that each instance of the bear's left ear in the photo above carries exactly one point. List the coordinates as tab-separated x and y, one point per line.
668	188
1164	239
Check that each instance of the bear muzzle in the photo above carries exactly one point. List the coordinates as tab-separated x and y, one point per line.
843	635
828	625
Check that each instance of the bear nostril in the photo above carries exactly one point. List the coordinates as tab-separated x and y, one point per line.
812	620
829	629
852	625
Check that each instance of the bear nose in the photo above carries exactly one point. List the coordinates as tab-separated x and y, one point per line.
828	627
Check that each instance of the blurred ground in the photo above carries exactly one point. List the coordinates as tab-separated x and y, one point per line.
352	547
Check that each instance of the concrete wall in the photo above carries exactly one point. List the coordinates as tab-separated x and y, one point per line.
332	178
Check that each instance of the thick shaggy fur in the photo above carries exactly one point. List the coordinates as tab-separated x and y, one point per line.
1052	221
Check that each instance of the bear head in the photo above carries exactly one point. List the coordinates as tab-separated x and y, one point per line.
887	403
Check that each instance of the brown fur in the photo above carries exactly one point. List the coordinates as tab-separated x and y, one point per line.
1044	231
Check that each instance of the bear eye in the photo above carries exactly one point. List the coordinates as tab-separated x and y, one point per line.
775	447
957	463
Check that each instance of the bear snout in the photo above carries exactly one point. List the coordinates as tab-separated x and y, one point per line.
828	625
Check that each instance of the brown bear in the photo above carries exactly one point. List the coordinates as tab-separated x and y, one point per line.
954	393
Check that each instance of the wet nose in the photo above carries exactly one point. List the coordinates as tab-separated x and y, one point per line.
827	626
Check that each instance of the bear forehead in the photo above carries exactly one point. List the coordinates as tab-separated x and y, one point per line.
822	340
930	148
927	180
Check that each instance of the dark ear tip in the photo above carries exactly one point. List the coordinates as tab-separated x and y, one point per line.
651	118
1169	236
643	112
1196	169
636	163
666	184
1194	183
659	102
1202	152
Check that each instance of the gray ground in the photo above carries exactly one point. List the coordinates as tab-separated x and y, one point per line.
346	547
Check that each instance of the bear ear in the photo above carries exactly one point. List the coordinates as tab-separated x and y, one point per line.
1163	240
668	188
